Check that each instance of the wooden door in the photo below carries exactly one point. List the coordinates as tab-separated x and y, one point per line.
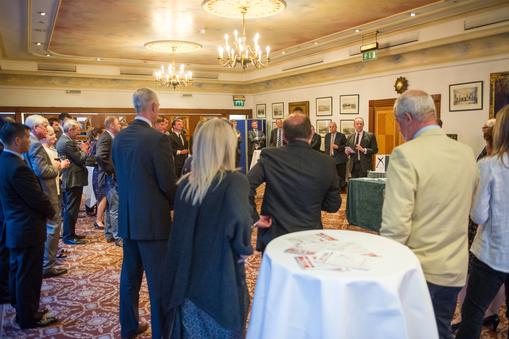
383	124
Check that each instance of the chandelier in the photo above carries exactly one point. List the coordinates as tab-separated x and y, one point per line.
171	75
240	52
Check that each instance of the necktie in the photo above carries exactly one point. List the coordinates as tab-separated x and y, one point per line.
357	140
279	141
332	138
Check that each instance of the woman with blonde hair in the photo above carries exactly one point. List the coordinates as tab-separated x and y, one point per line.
204	282
490	265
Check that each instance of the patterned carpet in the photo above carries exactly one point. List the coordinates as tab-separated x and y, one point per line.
86	298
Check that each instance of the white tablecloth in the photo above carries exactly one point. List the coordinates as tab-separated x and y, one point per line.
388	298
88	191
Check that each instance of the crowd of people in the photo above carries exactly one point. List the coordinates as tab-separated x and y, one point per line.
194	265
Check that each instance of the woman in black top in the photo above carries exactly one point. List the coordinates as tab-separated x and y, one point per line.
204	283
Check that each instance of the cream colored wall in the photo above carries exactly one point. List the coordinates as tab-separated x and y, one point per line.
17	96
434	80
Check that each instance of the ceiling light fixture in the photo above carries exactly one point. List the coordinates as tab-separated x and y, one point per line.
47	54
171	76
38	43
240	52
357	30
413	14
98	59
42	13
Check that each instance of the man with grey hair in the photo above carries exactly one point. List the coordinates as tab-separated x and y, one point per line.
74	178
40	162
430	183
361	145
144	168
105	164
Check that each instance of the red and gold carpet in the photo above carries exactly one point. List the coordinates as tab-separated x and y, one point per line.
86	298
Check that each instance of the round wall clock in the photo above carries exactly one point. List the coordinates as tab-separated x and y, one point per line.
401	85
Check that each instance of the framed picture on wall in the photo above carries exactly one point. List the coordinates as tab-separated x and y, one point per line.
349	104
466	96
303	105
322	126
323	106
278	110
499	92
346	127
260	111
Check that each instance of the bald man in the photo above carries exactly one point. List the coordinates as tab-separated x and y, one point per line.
295	193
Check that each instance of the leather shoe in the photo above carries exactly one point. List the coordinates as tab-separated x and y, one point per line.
110	239
53	272
41	319
98	227
79	236
142	327
74	241
119	242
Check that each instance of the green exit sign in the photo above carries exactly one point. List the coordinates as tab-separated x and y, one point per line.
238	103
369	55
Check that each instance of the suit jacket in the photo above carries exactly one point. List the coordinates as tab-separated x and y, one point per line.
77	174
254	141
368	141
146	182
428	195
25	205
339	154
300	183
177	145
46	173
273	137
103	153
316	142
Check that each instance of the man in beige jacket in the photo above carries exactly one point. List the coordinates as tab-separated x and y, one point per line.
430	183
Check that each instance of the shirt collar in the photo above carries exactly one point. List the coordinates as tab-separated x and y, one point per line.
139	117
111	134
14	152
424	129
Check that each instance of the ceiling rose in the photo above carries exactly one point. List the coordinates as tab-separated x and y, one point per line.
173	46
232	8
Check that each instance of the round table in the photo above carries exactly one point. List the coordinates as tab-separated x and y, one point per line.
340	284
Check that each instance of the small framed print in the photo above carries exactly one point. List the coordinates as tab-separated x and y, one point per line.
347	126
278	110
466	96
322	126
323	106
349	104
299	105
261	111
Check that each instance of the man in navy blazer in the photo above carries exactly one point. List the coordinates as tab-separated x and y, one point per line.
26	209
143	161
335	143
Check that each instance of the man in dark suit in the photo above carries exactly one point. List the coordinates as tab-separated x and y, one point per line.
295	193
26	209
256	140
73	179
316	140
46	173
361	146
276	135
179	145
105	163
144	168
335	143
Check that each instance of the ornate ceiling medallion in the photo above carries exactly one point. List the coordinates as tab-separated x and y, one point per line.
232	8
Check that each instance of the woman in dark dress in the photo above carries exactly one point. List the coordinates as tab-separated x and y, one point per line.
204	284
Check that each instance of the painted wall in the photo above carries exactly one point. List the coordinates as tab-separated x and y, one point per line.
434	80
48	97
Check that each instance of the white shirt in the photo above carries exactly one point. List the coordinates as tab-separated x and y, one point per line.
491	243
15	153
111	134
139	117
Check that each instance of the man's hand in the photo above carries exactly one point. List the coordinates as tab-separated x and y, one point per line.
265	221
184	151
359	148
65	164
334	146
